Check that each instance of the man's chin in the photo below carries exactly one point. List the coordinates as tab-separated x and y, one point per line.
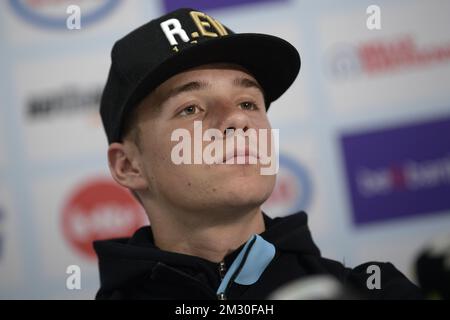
245	191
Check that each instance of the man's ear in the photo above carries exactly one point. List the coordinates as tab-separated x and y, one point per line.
125	167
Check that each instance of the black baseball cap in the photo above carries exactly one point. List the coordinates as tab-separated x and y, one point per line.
180	40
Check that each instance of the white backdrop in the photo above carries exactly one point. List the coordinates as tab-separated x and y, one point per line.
356	87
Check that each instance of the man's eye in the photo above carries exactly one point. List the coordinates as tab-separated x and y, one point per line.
192	109
248	105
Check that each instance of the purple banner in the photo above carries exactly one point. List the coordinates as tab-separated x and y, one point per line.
170	5
398	172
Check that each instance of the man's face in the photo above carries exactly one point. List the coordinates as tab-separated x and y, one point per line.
223	97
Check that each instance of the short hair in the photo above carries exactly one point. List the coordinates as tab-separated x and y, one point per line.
130	127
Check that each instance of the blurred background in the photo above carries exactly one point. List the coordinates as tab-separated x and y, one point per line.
364	131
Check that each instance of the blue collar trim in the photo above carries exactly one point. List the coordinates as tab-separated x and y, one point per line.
250	263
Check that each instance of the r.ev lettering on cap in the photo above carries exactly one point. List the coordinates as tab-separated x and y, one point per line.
170	28
207	27
208	22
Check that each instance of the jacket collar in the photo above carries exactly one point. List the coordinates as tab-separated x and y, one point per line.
125	259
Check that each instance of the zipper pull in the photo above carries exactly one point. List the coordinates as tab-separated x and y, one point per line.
221	296
222	272
222	269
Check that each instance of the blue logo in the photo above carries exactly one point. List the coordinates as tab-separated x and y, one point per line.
293	190
398	172
50	15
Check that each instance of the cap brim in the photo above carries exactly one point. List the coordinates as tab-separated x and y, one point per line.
274	63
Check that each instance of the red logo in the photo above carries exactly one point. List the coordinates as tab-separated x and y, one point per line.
379	56
100	209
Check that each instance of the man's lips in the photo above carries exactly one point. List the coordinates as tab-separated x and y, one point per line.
232	156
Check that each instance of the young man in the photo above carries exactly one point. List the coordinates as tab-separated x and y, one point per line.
208	238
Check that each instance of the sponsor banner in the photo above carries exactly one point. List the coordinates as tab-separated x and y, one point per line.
58	101
11	263
73	211
405	62
99	209
398	172
36	22
170	5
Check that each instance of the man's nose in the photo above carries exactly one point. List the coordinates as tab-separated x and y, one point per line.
229	118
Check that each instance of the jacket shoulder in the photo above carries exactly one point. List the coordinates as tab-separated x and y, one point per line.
383	281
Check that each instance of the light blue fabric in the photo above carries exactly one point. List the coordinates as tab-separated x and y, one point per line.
226	279
259	257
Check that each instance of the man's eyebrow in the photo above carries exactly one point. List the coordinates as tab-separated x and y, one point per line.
242	82
247	83
187	87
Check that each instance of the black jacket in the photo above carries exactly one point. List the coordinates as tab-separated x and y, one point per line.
134	268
